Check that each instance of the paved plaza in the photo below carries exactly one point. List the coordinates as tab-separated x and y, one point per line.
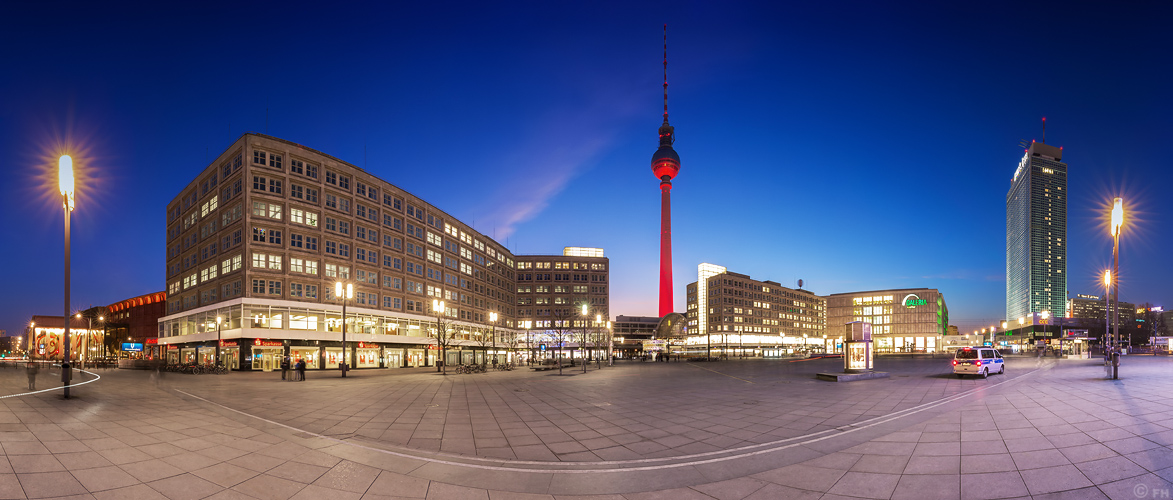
727	430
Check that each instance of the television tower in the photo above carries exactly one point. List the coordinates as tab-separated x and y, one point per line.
665	165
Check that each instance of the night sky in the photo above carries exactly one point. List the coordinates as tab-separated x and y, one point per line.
854	146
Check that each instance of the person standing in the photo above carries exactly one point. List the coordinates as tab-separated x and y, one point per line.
301	370
284	366
32	370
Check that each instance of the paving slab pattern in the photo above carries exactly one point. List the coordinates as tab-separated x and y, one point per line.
1045	430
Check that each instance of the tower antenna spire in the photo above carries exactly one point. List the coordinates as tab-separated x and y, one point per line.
665	72
1044	130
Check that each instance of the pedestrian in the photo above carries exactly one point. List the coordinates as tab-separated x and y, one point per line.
32	370
284	366
301	370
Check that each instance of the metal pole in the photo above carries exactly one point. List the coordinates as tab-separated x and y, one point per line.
65	357
1116	288
218	342
344	333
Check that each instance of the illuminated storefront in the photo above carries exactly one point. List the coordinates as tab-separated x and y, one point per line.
45	338
903	320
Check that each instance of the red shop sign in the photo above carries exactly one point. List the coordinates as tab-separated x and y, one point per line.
267	343
367	345
152	341
227	343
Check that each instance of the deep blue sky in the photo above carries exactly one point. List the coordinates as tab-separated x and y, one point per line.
852	145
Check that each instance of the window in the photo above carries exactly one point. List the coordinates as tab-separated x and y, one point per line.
230	264
274	237
274	288
360	188
344	205
259	183
311	267
331	224
297	167
360	253
300	216
259	287
343	250
296	289
331	247
275	262
331	201
296	191
360	232
311	243
297	265
311	171
274	160
296	241
343	227
259	234
331	178
258	157
311	195
311	291
344	182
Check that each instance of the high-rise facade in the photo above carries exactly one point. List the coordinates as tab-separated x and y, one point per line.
1036	234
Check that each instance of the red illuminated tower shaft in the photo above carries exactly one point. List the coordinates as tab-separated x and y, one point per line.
665	248
665	165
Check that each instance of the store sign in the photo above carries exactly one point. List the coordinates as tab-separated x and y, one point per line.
913	300
367	345
542	347
227	343
152	341
132	347
267	343
1083	296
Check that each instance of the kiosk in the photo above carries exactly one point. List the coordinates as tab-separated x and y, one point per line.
858	355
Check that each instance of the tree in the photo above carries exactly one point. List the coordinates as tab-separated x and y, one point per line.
484	339
561	330
443	333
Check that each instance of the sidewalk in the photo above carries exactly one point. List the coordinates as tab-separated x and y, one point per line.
1060	431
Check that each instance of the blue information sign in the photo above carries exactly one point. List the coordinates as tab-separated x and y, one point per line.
132	346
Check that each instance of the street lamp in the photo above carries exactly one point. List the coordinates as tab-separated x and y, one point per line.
1117	222
598	340
219	321
493	334
338	293
1107	305
582	346
610	345
65	186
441	334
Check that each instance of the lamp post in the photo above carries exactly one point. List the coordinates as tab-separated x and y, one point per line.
1107	306
219	321
582	345
493	334
441	335
65	186
610	345
349	294
1117	222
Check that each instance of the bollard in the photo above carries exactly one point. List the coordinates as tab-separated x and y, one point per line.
1115	365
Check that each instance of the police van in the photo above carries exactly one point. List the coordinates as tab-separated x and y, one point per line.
981	361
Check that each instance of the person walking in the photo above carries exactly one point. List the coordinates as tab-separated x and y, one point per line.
32	370
284	366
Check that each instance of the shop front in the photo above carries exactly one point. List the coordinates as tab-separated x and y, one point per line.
267	354
419	357
393	357
309	354
366	355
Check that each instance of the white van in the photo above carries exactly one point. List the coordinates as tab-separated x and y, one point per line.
980	361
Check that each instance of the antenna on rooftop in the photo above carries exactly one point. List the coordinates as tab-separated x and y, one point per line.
1044	130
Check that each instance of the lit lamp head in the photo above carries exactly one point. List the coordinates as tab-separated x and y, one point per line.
1117	216
1045	315
598	318
1003	325
1107	279
493	317
1022	321
584	309
219	320
65	179
437	305
338	290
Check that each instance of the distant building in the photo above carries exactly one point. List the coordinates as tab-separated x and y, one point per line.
45	337
737	314
1036	234
1091	307
631	331
551	293
903	320
136	321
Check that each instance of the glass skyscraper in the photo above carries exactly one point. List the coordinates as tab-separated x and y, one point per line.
1036	234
